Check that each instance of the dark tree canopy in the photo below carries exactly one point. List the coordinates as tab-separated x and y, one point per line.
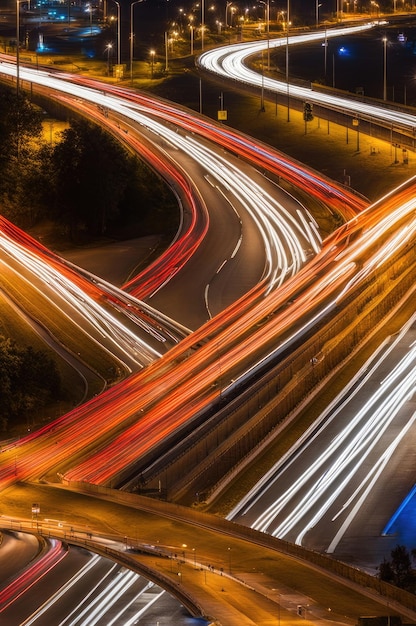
88	183
99	186
29	379
20	136
91	174
398	570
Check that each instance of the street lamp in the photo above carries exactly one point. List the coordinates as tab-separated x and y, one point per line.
118	30
90	11
385	68
318	5
228	4
152	59
108	48
202	23
132	37
18	47
266	14
267	20
325	45
376	7
166	51
287	58
232	12
191	33
262	109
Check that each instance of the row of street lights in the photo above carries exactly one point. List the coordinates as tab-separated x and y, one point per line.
109	46
152	53
117	3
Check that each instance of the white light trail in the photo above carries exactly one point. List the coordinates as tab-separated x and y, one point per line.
335	470
229	62
134	619
263	208
100	603
56	597
79	302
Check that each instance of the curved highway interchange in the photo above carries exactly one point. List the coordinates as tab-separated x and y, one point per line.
273	279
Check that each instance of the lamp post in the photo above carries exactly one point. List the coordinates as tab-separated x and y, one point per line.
202	23
108	48
191	32
132	37
228	4
262	109
18	2
318	5
384	68
267	20
166	51
339	10
118	30
152	60
287	58
266	15
268	34
90	10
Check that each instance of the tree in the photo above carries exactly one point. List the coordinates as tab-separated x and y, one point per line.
29	379
90	177
398	571
88	182
36	203
9	368
385	572
100	188
20	137
401	565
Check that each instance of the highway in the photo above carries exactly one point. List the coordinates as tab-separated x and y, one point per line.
268	220
340	469
313	294
103	313
322	487
17	550
278	233
230	63
230	573
201	368
73	586
171	390
187	376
